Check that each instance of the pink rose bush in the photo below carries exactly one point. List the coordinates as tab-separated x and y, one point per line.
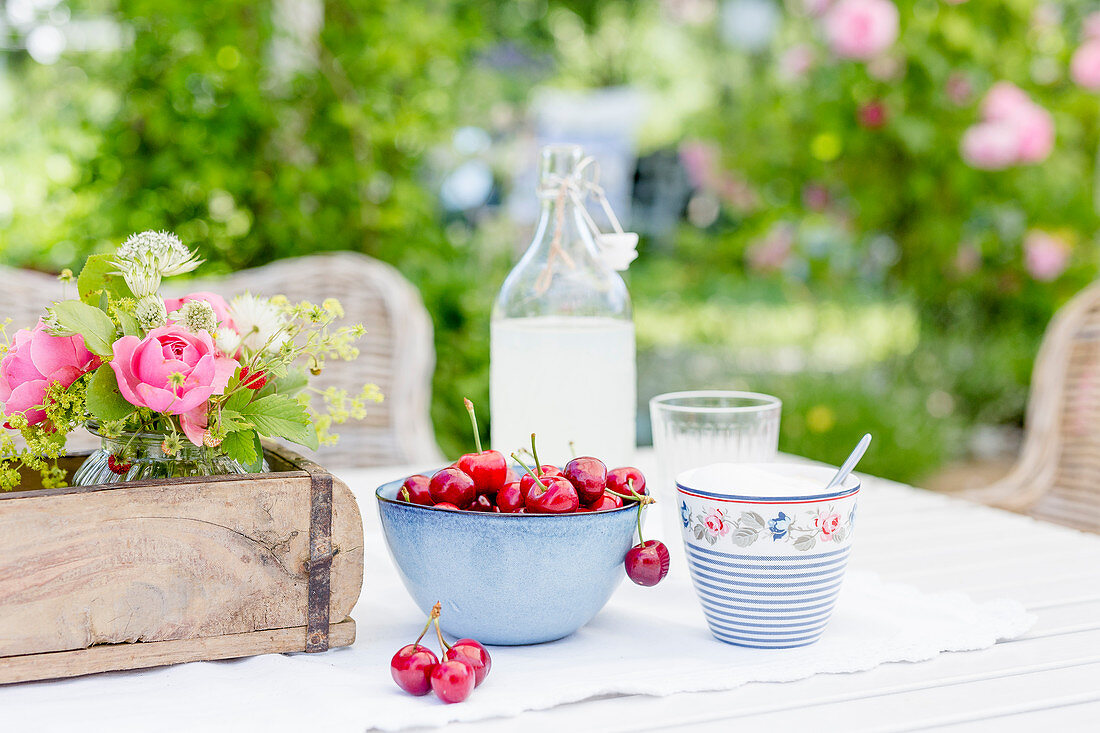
1046	255
1013	131
173	371
35	361
1084	67
128	360
861	29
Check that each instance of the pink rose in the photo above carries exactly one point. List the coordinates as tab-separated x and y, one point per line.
990	146
1084	68
773	250
34	362
796	61
716	523
827	524
1046	255
1014	130
145	367
217	302
1004	101
1091	27
1034	134
861	29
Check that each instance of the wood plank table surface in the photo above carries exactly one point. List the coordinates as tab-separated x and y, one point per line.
1050	675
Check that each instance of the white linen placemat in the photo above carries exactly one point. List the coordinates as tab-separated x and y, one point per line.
646	641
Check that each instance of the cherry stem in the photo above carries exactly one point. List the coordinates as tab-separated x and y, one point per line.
436	610
528	470
473	421
573	449
405	494
641	506
535	453
444	647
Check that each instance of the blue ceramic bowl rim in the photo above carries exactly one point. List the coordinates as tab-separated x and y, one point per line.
844	493
385	499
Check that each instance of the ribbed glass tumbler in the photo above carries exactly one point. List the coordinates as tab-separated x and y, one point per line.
694	429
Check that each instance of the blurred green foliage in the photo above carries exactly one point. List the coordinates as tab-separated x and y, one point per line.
194	128
217	121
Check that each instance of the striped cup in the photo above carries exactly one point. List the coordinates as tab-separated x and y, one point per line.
766	548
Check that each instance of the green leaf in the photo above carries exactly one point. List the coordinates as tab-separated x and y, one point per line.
105	401
238	399
279	416
244	447
233	421
130	326
88	321
294	382
97	277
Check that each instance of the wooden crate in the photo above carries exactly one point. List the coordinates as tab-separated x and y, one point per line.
126	576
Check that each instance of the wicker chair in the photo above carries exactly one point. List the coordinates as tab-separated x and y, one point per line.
1057	477
397	353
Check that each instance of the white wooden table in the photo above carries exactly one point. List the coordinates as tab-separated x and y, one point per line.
1050	676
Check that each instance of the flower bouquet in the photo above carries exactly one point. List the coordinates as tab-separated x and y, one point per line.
174	387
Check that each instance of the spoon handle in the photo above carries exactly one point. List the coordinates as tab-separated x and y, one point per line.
850	463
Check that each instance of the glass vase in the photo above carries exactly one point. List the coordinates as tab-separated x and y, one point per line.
139	456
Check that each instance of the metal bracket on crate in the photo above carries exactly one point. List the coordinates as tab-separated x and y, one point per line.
320	558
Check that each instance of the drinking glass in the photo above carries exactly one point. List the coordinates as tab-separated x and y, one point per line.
693	429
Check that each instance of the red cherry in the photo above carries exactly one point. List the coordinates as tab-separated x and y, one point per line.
619	480
527	481
415	490
446	505
558	497
452	486
589	476
510	499
489	470
607	500
647	563
482	504
474	654
412	667
453	680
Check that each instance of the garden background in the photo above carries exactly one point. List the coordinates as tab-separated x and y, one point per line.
869	208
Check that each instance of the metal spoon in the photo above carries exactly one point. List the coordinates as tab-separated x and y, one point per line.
850	463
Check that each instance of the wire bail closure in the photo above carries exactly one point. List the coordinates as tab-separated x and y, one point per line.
616	249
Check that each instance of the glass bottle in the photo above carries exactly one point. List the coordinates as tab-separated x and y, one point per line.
562	335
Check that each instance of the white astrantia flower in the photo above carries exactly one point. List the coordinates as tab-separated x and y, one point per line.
150	312
196	315
259	324
144	258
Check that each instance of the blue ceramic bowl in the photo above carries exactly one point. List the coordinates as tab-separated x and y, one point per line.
507	578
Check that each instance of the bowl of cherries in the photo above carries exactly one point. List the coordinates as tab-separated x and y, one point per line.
519	553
